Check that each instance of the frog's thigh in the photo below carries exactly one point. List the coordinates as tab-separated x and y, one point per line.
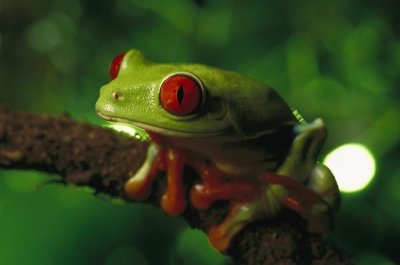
323	182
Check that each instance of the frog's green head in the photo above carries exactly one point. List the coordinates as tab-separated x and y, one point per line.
189	99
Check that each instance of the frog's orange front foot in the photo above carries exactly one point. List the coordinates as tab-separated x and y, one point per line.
300	198
160	159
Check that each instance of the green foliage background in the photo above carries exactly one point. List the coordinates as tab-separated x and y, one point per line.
339	60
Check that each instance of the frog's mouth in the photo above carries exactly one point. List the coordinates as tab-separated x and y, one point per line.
153	130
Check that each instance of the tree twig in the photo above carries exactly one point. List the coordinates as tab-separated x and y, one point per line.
86	155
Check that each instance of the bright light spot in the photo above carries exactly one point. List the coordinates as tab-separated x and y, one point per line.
122	128
353	166
137	133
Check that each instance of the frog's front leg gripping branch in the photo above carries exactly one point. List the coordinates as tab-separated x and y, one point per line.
158	159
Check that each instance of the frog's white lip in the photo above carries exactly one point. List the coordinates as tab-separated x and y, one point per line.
155	129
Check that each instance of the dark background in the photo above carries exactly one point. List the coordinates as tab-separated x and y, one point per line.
339	60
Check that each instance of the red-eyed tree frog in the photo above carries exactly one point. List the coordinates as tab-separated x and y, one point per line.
246	144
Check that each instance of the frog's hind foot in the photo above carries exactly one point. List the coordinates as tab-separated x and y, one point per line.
221	235
300	198
305	201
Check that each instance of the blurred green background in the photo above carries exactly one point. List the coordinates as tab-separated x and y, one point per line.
339	60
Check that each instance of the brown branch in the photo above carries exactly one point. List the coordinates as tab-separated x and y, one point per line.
85	155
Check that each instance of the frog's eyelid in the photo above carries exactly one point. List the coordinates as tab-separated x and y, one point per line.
116	65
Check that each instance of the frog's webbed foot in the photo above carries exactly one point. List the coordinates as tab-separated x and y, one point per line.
241	214
159	159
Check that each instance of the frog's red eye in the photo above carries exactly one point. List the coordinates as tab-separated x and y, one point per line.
116	63
180	94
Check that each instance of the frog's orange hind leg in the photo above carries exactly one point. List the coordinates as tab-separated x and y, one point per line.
309	187
300	198
304	200
215	187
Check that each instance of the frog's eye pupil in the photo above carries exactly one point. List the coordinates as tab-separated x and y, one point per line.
180	95
115	65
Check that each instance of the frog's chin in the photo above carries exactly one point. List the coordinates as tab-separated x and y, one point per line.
150	129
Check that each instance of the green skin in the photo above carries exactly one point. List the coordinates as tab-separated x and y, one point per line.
242	128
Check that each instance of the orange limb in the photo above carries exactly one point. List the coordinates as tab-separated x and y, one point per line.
202	196
301	199
214	187
174	201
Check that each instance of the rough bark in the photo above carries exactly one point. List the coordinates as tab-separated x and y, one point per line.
86	155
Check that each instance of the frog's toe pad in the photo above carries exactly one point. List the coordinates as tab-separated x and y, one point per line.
293	204
218	238
137	190
173	205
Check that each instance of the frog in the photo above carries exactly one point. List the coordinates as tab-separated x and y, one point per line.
248	147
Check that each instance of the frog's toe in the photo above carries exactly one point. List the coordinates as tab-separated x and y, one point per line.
219	238
137	189
305	205
221	235
203	195
293	204
200	197
173	205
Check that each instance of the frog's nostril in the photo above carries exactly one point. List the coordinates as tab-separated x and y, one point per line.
116	95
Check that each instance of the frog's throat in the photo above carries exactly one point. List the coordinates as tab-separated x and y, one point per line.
155	129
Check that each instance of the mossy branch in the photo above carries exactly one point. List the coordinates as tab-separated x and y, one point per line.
86	155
